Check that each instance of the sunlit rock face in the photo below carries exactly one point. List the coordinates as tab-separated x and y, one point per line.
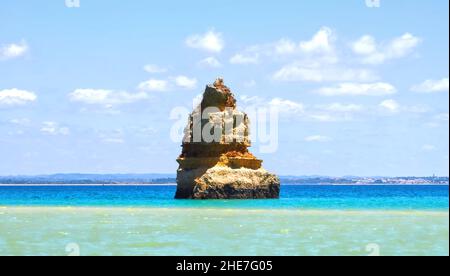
215	162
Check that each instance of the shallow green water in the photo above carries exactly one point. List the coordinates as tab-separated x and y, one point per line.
176	231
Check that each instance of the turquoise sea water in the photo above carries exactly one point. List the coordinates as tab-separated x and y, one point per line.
292	197
146	220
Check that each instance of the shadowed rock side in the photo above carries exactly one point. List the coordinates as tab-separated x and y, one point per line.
218	165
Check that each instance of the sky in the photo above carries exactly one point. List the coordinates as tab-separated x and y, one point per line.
362	87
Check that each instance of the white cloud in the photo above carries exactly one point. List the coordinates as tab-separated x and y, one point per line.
325	117
428	147
252	100
210	62
321	42
53	128
373	53
338	112
287	106
318	62
210	41
285	46
165	85
14	96
339	107
329	116
358	89
335	112
319	73
154	85
154	69
20	121
281	105
105	97
319	48
366	45
317	138
185	82
245	59
13	50
402	46
430	86
390	106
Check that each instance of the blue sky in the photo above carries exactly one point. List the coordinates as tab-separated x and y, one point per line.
362	91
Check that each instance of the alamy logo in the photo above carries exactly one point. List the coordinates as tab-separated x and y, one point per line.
73	249
373	249
373	3
213	125
73	3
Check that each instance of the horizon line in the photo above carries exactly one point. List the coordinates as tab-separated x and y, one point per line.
174	174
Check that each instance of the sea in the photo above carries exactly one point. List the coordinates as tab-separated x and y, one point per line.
307	220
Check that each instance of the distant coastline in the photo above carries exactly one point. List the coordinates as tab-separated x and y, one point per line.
83	184
174	184
170	179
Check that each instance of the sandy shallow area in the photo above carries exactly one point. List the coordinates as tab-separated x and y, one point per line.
191	231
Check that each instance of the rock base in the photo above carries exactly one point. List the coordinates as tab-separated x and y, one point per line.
226	183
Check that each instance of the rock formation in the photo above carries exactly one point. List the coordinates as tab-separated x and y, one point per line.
215	162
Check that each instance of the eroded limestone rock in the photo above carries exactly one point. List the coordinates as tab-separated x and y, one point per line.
215	162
